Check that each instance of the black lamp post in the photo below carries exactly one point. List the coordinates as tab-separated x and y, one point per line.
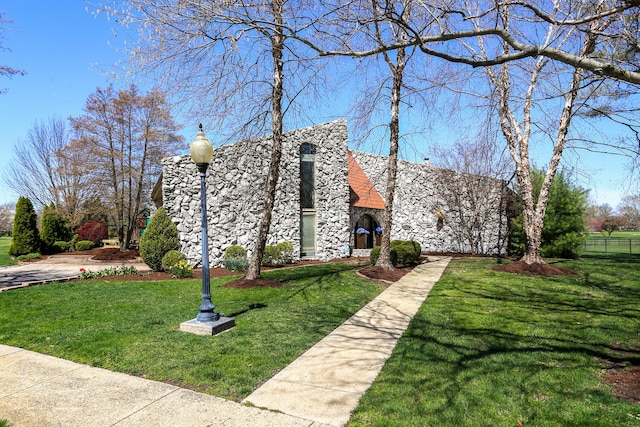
202	153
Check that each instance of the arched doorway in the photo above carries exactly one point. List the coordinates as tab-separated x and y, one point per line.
366	232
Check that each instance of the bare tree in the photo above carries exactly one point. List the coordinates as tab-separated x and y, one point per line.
44	171
629	208
121	137
462	22
7	213
232	64
476	174
5	70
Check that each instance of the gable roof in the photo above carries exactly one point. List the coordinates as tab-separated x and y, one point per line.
362	193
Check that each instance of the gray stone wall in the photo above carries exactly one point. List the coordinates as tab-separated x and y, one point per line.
421	192
236	180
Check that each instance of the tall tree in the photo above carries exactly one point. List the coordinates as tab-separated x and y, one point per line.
532	53
123	135
565	224
6	70
233	65
44	169
358	25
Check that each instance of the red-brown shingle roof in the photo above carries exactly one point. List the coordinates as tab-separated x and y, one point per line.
362	192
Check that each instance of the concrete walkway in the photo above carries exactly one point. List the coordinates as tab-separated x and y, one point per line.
319	389
56	268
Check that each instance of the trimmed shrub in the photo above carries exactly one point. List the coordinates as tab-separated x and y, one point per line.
235	251
285	250
85	245
375	254
94	231
60	246
402	251
236	264
171	259
279	254
270	255
33	255
160	237
55	228
25	235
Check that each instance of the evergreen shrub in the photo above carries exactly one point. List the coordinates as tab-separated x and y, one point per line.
84	245
285	250
160	237
235	251
25	235
279	254
60	246
55	228
402	252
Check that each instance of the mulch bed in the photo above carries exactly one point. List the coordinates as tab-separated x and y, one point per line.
626	383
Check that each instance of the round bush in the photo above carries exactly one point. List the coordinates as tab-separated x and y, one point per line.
235	251
84	245
285	250
171	259
160	237
375	254
271	256
60	246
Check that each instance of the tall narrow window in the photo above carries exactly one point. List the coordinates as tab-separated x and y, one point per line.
307	201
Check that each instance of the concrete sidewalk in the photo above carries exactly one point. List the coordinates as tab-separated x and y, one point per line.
56	268
319	389
325	384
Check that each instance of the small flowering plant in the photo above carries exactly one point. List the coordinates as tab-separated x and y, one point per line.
378	230
182	270
362	231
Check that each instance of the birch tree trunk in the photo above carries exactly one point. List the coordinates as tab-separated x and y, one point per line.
277	46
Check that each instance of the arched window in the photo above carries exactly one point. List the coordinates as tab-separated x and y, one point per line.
307	200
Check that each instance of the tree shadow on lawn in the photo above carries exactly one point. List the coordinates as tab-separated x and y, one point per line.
555	325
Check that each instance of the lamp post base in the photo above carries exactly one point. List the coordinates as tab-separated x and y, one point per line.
194	326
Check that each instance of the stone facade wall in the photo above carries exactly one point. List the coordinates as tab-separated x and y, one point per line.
421	191
236	179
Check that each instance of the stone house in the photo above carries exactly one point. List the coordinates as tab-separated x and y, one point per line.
328	204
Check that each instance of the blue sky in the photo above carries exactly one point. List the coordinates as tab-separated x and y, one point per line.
64	49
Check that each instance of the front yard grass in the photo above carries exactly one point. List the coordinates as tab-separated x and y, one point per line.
132	327
497	349
5	258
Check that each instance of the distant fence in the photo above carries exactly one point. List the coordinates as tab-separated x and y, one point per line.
614	245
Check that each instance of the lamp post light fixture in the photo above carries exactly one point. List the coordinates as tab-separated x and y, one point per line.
208	322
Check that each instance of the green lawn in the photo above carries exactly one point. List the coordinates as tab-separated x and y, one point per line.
132	327
494	349
5	258
626	242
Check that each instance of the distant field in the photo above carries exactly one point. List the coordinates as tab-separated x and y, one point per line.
627	242
5	258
